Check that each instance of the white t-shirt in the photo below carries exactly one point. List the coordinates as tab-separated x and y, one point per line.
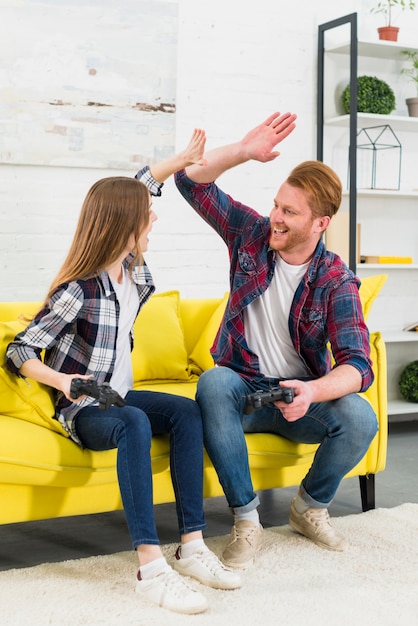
127	295
266	324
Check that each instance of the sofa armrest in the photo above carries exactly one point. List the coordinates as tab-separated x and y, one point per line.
377	396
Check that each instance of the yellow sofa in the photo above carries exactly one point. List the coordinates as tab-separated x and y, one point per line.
43	474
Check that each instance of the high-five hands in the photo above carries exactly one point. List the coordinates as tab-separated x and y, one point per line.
193	153
259	142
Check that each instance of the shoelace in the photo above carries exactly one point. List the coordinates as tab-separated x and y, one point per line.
209	560
246	533
319	516
321	520
174	583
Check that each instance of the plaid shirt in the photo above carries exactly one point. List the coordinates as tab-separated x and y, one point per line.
326	309
70	330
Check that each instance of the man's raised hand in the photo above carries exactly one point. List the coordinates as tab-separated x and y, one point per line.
258	144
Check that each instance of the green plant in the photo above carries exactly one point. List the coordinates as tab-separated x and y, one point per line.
386	6
411	72
373	96
408	382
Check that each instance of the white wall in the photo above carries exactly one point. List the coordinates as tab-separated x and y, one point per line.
237	62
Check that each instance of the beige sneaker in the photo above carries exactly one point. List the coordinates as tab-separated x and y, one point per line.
316	525
245	541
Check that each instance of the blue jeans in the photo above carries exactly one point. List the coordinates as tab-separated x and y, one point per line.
129	429
344	428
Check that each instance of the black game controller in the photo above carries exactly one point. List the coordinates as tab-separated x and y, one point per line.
103	393
257	399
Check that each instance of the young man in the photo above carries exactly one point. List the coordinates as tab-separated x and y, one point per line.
289	300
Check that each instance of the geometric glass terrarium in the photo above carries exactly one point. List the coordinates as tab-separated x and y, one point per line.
379	154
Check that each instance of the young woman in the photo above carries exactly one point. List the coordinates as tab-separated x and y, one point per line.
85	328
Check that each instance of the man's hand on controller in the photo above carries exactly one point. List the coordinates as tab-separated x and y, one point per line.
302	399
256	400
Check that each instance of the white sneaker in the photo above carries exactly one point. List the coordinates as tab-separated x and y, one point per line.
169	591
205	567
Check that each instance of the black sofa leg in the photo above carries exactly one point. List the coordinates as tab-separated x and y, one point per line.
367	491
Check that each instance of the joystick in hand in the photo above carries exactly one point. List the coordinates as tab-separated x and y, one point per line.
257	399
103	393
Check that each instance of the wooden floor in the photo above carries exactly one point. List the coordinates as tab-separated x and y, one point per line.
31	543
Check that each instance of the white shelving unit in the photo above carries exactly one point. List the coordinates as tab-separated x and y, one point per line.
388	218
401	123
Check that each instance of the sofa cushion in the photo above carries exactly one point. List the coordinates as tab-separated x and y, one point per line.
201	359
38	456
25	399
186	388
159	351
369	290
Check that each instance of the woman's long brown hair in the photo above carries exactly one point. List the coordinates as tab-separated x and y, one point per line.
113	210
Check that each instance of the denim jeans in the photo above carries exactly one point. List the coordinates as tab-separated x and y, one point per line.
129	429
344	428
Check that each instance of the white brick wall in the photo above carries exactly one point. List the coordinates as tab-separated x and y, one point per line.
238	61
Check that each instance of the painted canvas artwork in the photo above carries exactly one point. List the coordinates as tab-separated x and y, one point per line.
87	84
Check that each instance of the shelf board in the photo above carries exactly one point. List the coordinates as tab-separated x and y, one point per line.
402	407
400	122
399	336
384	193
387	266
375	49
396	336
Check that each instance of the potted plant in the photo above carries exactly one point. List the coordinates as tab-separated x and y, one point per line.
412	73
408	382
373	96
390	32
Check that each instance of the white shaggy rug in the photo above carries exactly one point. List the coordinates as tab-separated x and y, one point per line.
292	583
